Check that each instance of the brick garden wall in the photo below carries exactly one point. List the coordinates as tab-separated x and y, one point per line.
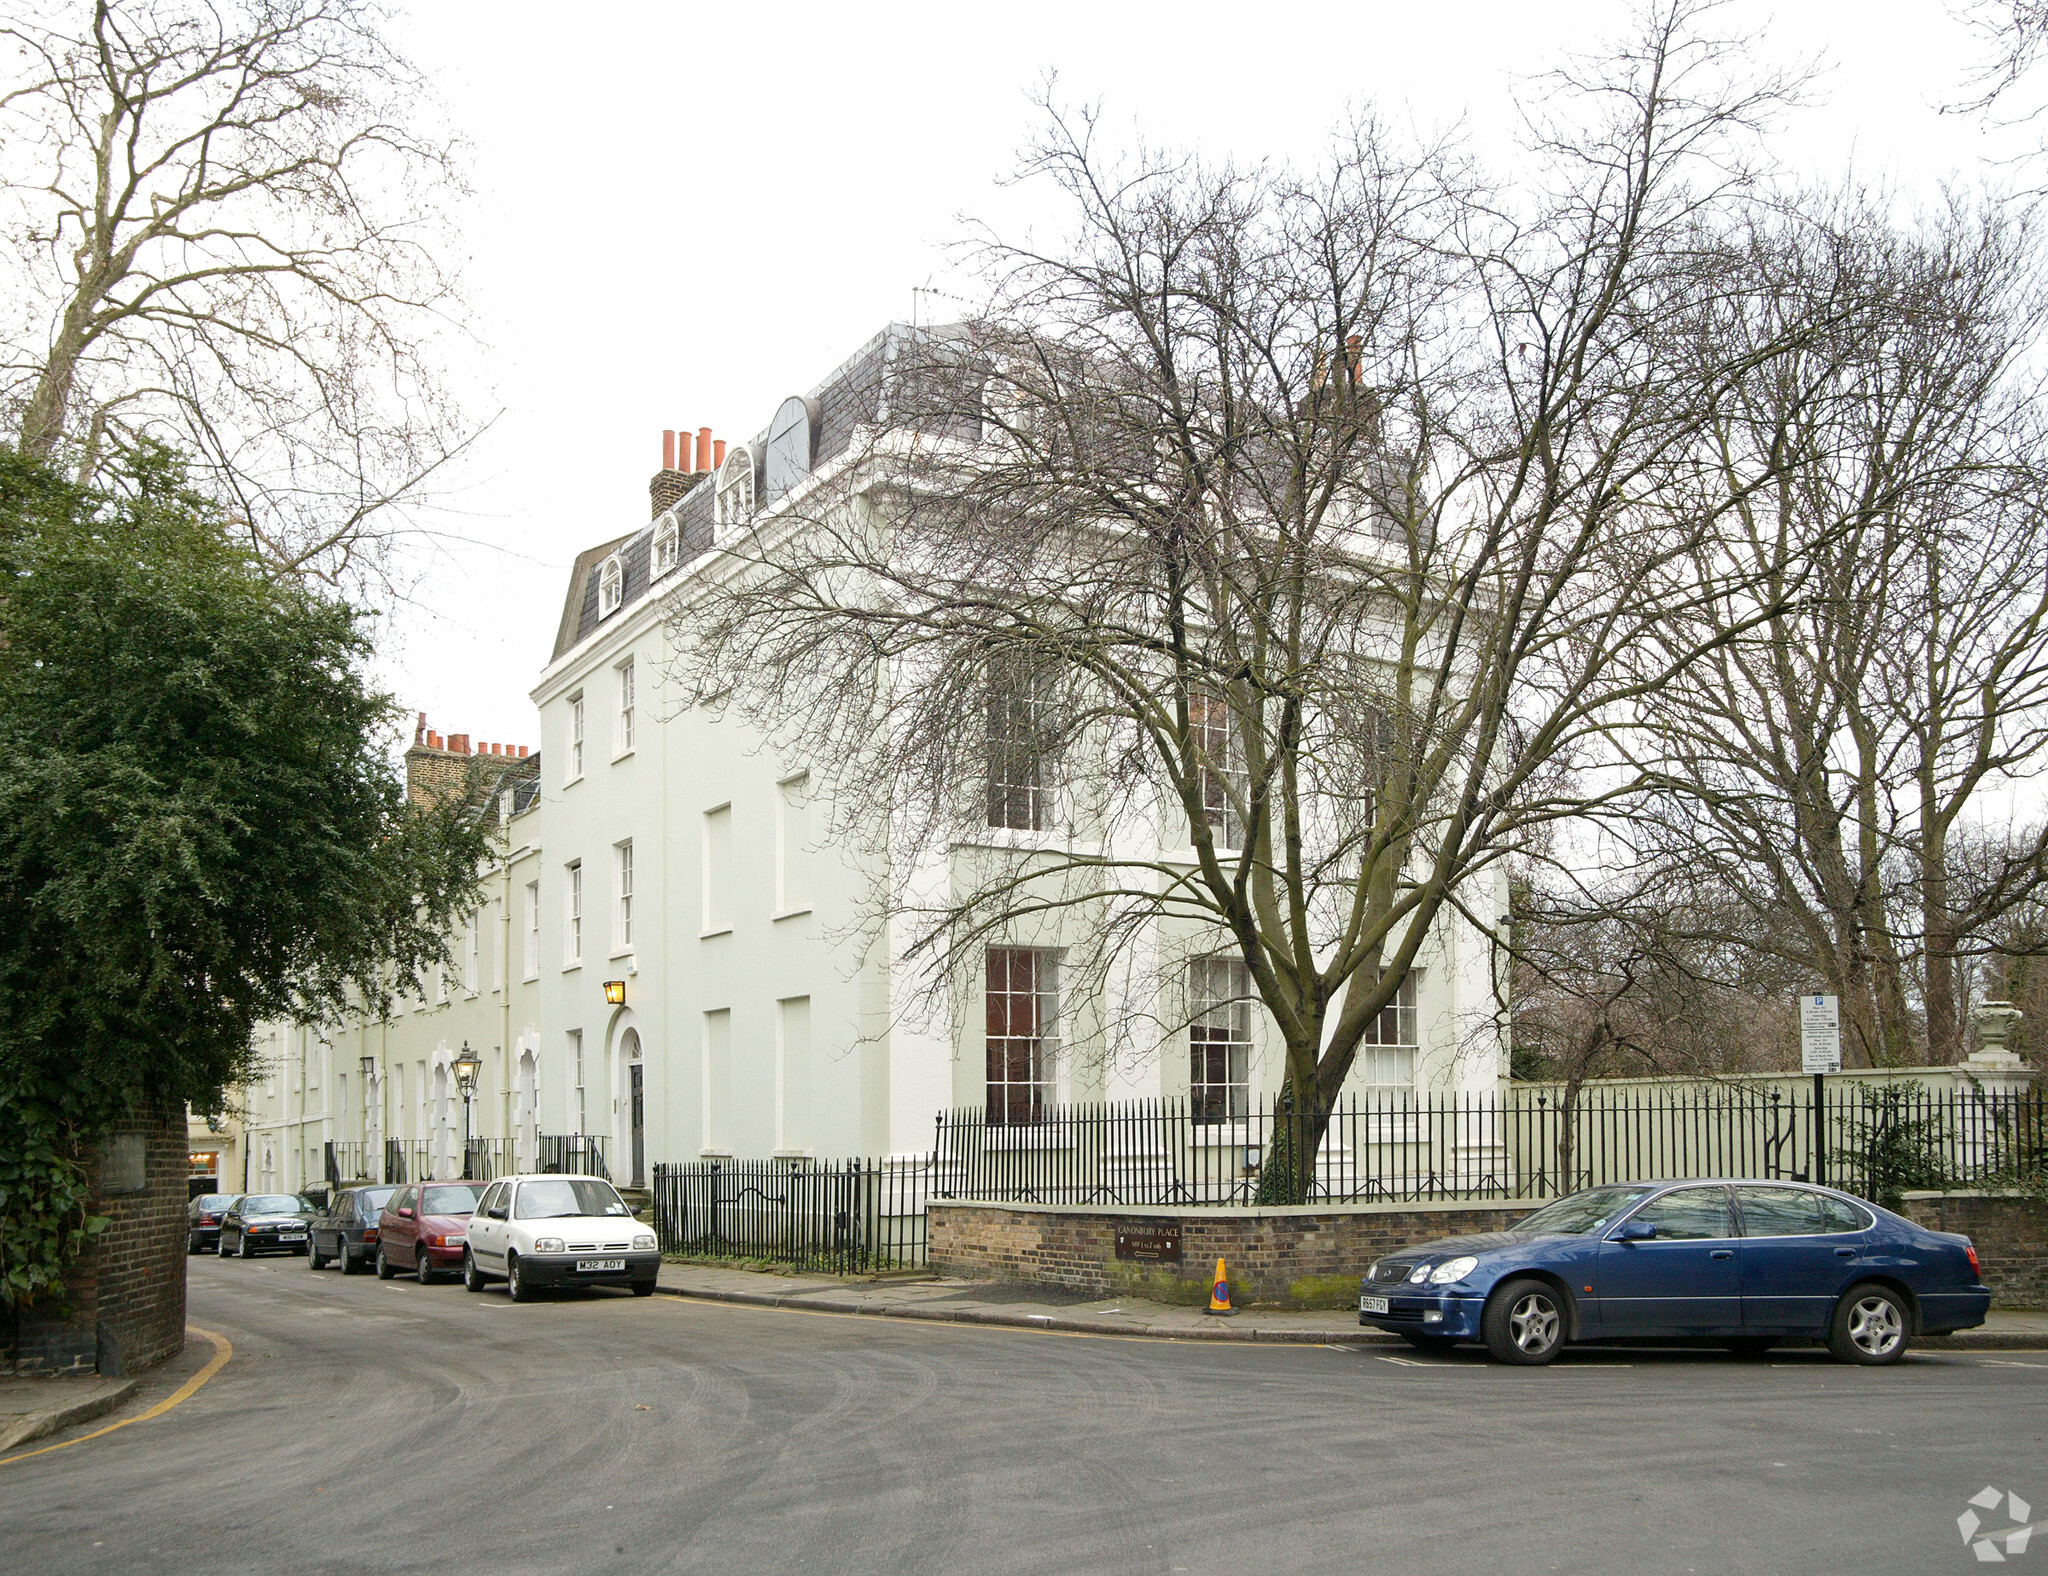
2011	1235
1301	1257
127	1289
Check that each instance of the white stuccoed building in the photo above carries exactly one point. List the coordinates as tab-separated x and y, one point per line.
670	853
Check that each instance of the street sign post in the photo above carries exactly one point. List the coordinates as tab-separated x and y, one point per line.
1820	1053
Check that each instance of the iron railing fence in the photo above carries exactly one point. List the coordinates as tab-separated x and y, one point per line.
573	1154
351	1163
844	1216
1874	1140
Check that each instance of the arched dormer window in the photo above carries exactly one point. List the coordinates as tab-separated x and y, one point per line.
736	489
611	587
668	538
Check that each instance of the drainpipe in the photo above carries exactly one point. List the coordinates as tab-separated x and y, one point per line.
505	971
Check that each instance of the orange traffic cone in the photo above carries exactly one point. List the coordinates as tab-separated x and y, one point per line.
1219	1294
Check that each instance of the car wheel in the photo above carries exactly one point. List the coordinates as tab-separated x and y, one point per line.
1524	1323
1870	1326
315	1259
384	1269
1428	1343
422	1264
1751	1345
472	1277
515	1280
220	1247
643	1288
344	1260
242	1247
192	1243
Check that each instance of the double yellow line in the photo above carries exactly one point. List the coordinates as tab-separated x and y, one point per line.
223	1349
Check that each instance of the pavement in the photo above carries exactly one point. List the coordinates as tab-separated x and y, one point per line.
367	1426
31	1408
953	1301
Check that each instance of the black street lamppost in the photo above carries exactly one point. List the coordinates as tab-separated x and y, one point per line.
467	1066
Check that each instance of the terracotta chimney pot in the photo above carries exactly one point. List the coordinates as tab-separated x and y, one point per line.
718	454
703	448
668	448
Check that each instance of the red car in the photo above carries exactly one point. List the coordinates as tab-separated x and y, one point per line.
423	1228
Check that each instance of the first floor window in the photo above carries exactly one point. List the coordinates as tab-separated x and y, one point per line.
625	740
1023	1023
1020	710
622	935
573	913
1219	766
1219	1040
472	942
532	929
576	1047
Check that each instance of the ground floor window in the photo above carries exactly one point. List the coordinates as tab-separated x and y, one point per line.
1022	1008
1386	1056
1219	1040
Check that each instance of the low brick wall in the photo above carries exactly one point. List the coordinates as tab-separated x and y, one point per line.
126	1291
1310	1256
2010	1231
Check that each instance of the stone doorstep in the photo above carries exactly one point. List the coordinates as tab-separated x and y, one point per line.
31	1408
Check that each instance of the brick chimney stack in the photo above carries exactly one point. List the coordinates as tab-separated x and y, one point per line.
677	474
438	768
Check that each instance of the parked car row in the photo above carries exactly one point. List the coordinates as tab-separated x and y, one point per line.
1744	1263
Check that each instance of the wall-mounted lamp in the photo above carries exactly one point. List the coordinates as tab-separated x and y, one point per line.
369	1066
615	992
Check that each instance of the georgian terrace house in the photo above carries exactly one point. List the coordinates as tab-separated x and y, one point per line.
664	856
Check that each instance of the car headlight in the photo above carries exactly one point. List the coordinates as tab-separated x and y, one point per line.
1452	1270
1418	1275
1372	1269
645	1244
547	1244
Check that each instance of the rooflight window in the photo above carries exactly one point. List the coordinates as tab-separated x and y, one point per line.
668	540
611	587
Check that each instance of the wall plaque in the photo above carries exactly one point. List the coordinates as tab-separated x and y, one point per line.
1149	1242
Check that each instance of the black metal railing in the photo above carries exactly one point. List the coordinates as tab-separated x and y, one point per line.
574	1154
844	1216
1875	1139
350	1162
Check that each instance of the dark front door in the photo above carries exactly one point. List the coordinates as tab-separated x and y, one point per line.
1683	1280
639	1127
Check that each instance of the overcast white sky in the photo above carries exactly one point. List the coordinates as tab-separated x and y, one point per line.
683	214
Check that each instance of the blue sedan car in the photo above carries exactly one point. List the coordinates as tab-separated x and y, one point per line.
1745	1264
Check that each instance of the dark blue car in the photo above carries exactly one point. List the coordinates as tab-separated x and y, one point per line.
1745	1264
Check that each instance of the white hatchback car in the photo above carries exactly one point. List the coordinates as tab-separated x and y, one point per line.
549	1230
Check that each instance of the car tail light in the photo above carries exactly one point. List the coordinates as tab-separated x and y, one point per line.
209	1220
1975	1268
369	1233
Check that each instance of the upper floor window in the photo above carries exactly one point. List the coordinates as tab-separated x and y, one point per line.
575	737
572	913
1218	761
532	929
472	941
1020	709
625	672
668	545
611	586
736	489
622	913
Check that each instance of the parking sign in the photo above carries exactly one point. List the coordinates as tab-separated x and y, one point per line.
1820	1034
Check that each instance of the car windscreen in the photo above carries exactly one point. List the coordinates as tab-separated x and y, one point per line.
273	1204
1582	1213
451	1200
213	1202
554	1196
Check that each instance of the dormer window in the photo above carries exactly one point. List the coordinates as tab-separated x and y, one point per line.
668	541
736	489
611	587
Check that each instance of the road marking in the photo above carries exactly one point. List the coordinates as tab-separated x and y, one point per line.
223	1349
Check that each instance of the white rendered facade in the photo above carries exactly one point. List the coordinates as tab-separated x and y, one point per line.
671	849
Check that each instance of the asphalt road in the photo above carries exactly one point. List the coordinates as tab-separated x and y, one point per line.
365	1426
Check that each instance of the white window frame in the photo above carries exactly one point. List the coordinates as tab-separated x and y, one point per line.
498	952
611	587
575	738
793	847
1213	730
1018	707
628	686
1220	1035
472	956
668	545
1392	1042
1040	1047
572	914
622	897
735	497
533	930
582	1110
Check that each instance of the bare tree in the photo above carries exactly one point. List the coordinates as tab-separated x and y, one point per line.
1248	580
231	234
1822	761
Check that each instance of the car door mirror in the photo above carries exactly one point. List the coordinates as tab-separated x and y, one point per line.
406	1213
496	1212
1633	1231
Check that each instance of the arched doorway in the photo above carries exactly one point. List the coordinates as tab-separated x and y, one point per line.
636	1104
